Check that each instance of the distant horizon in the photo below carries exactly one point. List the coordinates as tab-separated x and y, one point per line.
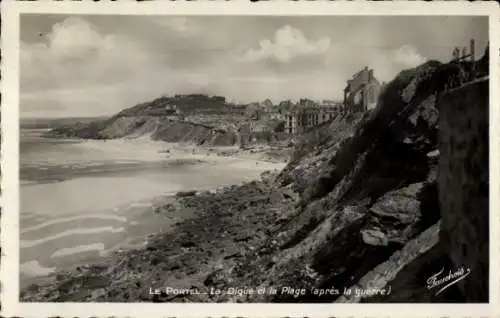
53	116
65	117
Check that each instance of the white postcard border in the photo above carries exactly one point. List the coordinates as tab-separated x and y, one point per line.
10	161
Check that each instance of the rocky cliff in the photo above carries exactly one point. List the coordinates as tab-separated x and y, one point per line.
156	127
369	204
373	193
360	207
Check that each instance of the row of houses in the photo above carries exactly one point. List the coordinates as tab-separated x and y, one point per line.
360	94
302	119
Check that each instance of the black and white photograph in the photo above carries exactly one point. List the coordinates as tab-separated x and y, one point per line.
245	158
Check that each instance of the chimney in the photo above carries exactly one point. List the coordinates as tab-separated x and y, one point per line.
363	75
370	75
472	50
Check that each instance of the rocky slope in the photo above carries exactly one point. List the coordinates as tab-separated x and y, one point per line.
157	127
357	208
373	193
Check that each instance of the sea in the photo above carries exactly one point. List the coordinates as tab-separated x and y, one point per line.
80	200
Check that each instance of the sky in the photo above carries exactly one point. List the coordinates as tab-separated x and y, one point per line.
84	65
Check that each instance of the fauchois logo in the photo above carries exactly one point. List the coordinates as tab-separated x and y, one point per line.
452	278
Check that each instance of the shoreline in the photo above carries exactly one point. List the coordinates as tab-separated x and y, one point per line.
217	156
185	242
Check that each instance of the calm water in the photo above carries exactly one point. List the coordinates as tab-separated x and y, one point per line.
80	200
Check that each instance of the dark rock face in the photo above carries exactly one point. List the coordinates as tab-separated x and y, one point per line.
382	276
403	213
181	194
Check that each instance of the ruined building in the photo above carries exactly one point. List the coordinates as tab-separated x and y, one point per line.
465	55
304	118
361	94
362	91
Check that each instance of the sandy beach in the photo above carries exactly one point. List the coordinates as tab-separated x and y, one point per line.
82	200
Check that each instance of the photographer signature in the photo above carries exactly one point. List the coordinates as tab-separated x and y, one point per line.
450	279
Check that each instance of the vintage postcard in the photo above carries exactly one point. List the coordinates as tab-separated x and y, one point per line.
239	159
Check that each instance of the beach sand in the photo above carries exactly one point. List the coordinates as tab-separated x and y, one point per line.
103	196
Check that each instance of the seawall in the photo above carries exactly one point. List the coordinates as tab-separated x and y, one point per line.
463	180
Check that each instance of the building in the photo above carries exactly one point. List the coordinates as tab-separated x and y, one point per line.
285	106
200	97
466	55
173	112
307	103
329	102
362	91
304	118
255	111
220	99
360	94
